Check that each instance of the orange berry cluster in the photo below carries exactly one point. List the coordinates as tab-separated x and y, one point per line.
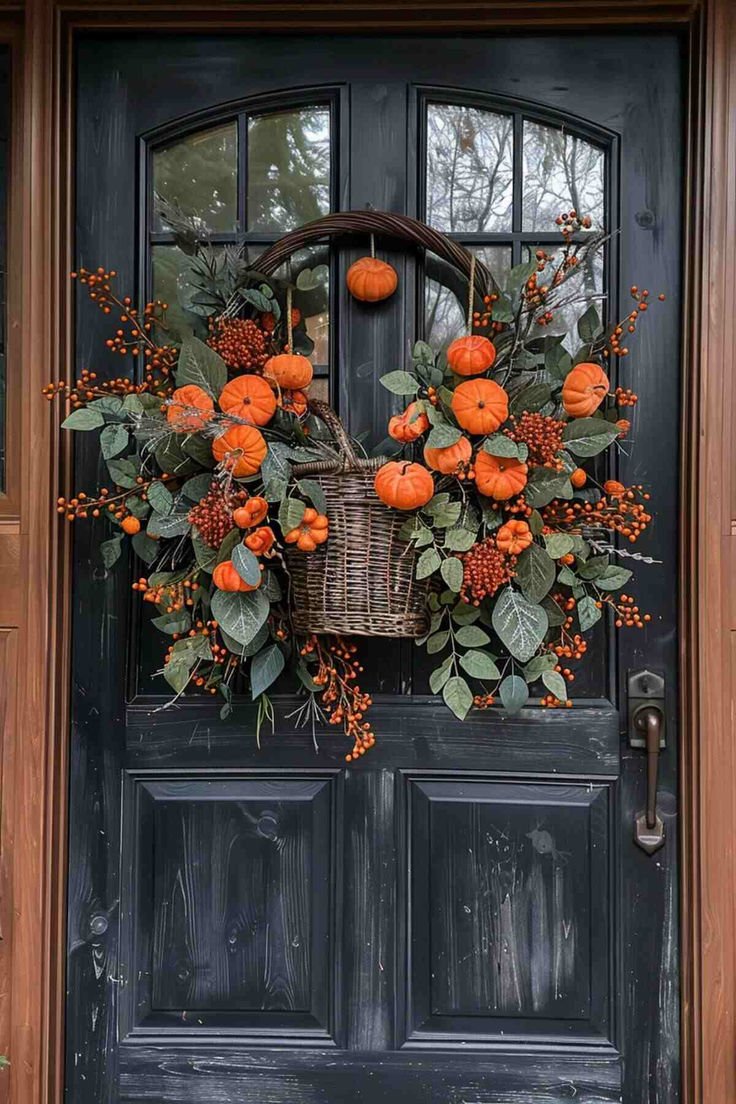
624	396
268	320
626	514
623	425
213	514
173	597
240	342
570	223
342	699
629	323
483	701
541	434
549	701
627	613
485	569
483	319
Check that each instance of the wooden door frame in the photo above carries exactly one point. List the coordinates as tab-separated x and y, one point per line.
34	755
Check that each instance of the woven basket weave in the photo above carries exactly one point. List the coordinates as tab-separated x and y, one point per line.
361	581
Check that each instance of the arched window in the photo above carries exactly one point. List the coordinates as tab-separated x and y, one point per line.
497	179
242	182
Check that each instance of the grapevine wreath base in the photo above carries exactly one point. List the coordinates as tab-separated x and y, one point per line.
267	539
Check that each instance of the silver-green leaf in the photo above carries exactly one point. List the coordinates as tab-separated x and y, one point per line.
520	624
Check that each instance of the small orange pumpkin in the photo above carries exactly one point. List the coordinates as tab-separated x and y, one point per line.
242	448
469	356
312	530
261	540
371	280
181	413
250	398
404	486
579	478
499	477
250	513
408	426
514	537
225	577
480	406
584	389
291	371
294	402
448	460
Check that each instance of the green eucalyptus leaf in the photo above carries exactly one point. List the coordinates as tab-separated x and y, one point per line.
457	696
110	550
537	665
205	556
439	677
459	539
241	614
197	487
83	419
160	498
443	436
312	490
400	383
265	668
544	484
589	325
145	549
588	613
472	636
514	693
291	513
588	436
452	573
520	624
246	564
437	642
479	665
427	563
558	544
535	573
530	398
200	365
555	683
498	444
124	473
113	440
614	577
168	525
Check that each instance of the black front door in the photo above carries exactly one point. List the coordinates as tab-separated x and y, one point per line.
463	915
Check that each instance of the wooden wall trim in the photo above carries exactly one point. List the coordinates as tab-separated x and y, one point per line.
34	763
709	573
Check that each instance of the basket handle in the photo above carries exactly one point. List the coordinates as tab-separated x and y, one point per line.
378	222
326	414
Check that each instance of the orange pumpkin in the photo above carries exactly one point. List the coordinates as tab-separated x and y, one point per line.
613	488
242	448
250	513
448	460
181	413
469	356
294	402
249	398
371	280
291	371
404	486
514	537
584	389
261	540
408	426
312	530
579	478
499	477
225	577
480	406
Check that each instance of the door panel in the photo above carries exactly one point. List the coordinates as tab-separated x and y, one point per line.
463	916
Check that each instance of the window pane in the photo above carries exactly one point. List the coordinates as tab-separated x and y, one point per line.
561	173
445	298
288	168
578	293
309	270
469	169
200	175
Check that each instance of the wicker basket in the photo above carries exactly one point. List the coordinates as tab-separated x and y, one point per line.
361	581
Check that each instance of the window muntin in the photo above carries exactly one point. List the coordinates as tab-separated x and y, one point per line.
496	180
246	181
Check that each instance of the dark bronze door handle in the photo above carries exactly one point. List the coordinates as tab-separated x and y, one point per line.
649	827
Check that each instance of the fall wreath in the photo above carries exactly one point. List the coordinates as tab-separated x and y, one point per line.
486	528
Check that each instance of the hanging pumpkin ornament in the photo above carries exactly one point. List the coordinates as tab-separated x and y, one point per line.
473	354
290	371
371	280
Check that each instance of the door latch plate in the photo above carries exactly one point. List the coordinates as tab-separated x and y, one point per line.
644	687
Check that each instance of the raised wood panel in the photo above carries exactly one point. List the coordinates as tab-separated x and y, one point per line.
226	913
510	909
